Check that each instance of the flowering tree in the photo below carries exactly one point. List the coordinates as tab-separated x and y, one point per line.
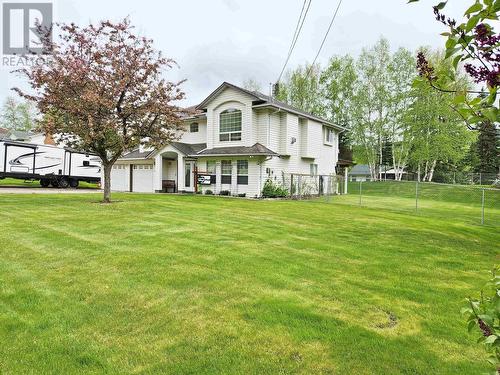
474	43
104	93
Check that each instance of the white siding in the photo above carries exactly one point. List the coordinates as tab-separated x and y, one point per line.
198	137
299	142
230	98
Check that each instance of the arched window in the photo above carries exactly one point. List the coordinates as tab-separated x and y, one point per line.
193	128
230	125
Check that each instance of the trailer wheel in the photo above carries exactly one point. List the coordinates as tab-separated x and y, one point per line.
63	183
44	182
54	183
74	183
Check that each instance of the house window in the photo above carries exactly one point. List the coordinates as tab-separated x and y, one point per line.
193	128
226	171
211	171
314	169
329	135
230	125
242	172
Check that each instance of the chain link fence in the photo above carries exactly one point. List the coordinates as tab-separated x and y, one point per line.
304	186
465	203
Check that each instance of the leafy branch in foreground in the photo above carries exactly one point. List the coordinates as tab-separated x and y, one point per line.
474	43
483	317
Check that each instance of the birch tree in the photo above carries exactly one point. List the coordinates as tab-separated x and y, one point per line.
401	73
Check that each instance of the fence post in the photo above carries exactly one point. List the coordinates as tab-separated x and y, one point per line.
291	186
346	175
480	179
299	182
416	196
482	208
360	189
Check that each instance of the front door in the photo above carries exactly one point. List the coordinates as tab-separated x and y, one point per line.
189	182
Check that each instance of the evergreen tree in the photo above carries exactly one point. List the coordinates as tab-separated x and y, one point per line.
487	148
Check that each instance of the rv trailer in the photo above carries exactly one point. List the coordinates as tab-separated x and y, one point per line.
51	165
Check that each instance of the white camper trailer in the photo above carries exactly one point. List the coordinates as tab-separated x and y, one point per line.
51	165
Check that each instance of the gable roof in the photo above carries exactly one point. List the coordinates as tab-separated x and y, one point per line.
256	149
136	154
189	149
263	100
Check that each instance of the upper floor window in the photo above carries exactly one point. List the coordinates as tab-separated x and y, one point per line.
230	125
329	135
193	128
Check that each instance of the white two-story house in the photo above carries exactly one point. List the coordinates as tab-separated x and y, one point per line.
240	139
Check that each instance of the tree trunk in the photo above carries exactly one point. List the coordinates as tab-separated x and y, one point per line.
431	171
107	183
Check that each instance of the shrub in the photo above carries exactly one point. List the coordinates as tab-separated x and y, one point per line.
225	192
209	192
273	190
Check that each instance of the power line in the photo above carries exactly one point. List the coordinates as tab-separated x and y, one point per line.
324	39
296	34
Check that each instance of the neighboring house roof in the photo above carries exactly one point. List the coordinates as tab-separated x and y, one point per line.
360	170
262	100
256	149
17	135
3	133
364	170
192	113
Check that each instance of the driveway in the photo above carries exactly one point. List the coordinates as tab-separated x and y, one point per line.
40	190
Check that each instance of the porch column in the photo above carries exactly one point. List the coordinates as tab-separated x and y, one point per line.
158	174
218	172
180	173
234	177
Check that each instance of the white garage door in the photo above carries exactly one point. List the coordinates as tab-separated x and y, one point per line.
142	178
120	178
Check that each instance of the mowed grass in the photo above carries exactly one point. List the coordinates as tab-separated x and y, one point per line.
14	182
458	203
210	285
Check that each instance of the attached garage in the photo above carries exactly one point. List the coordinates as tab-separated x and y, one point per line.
142	178
120	177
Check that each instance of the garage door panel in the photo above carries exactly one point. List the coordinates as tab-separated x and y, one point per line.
142	178
119	178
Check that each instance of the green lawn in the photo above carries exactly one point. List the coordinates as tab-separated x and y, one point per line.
459	203
13	182
195	284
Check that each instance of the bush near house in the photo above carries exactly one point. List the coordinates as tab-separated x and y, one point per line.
273	190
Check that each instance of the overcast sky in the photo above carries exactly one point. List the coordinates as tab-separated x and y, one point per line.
233	40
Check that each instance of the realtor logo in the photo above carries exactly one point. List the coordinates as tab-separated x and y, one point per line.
20	35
